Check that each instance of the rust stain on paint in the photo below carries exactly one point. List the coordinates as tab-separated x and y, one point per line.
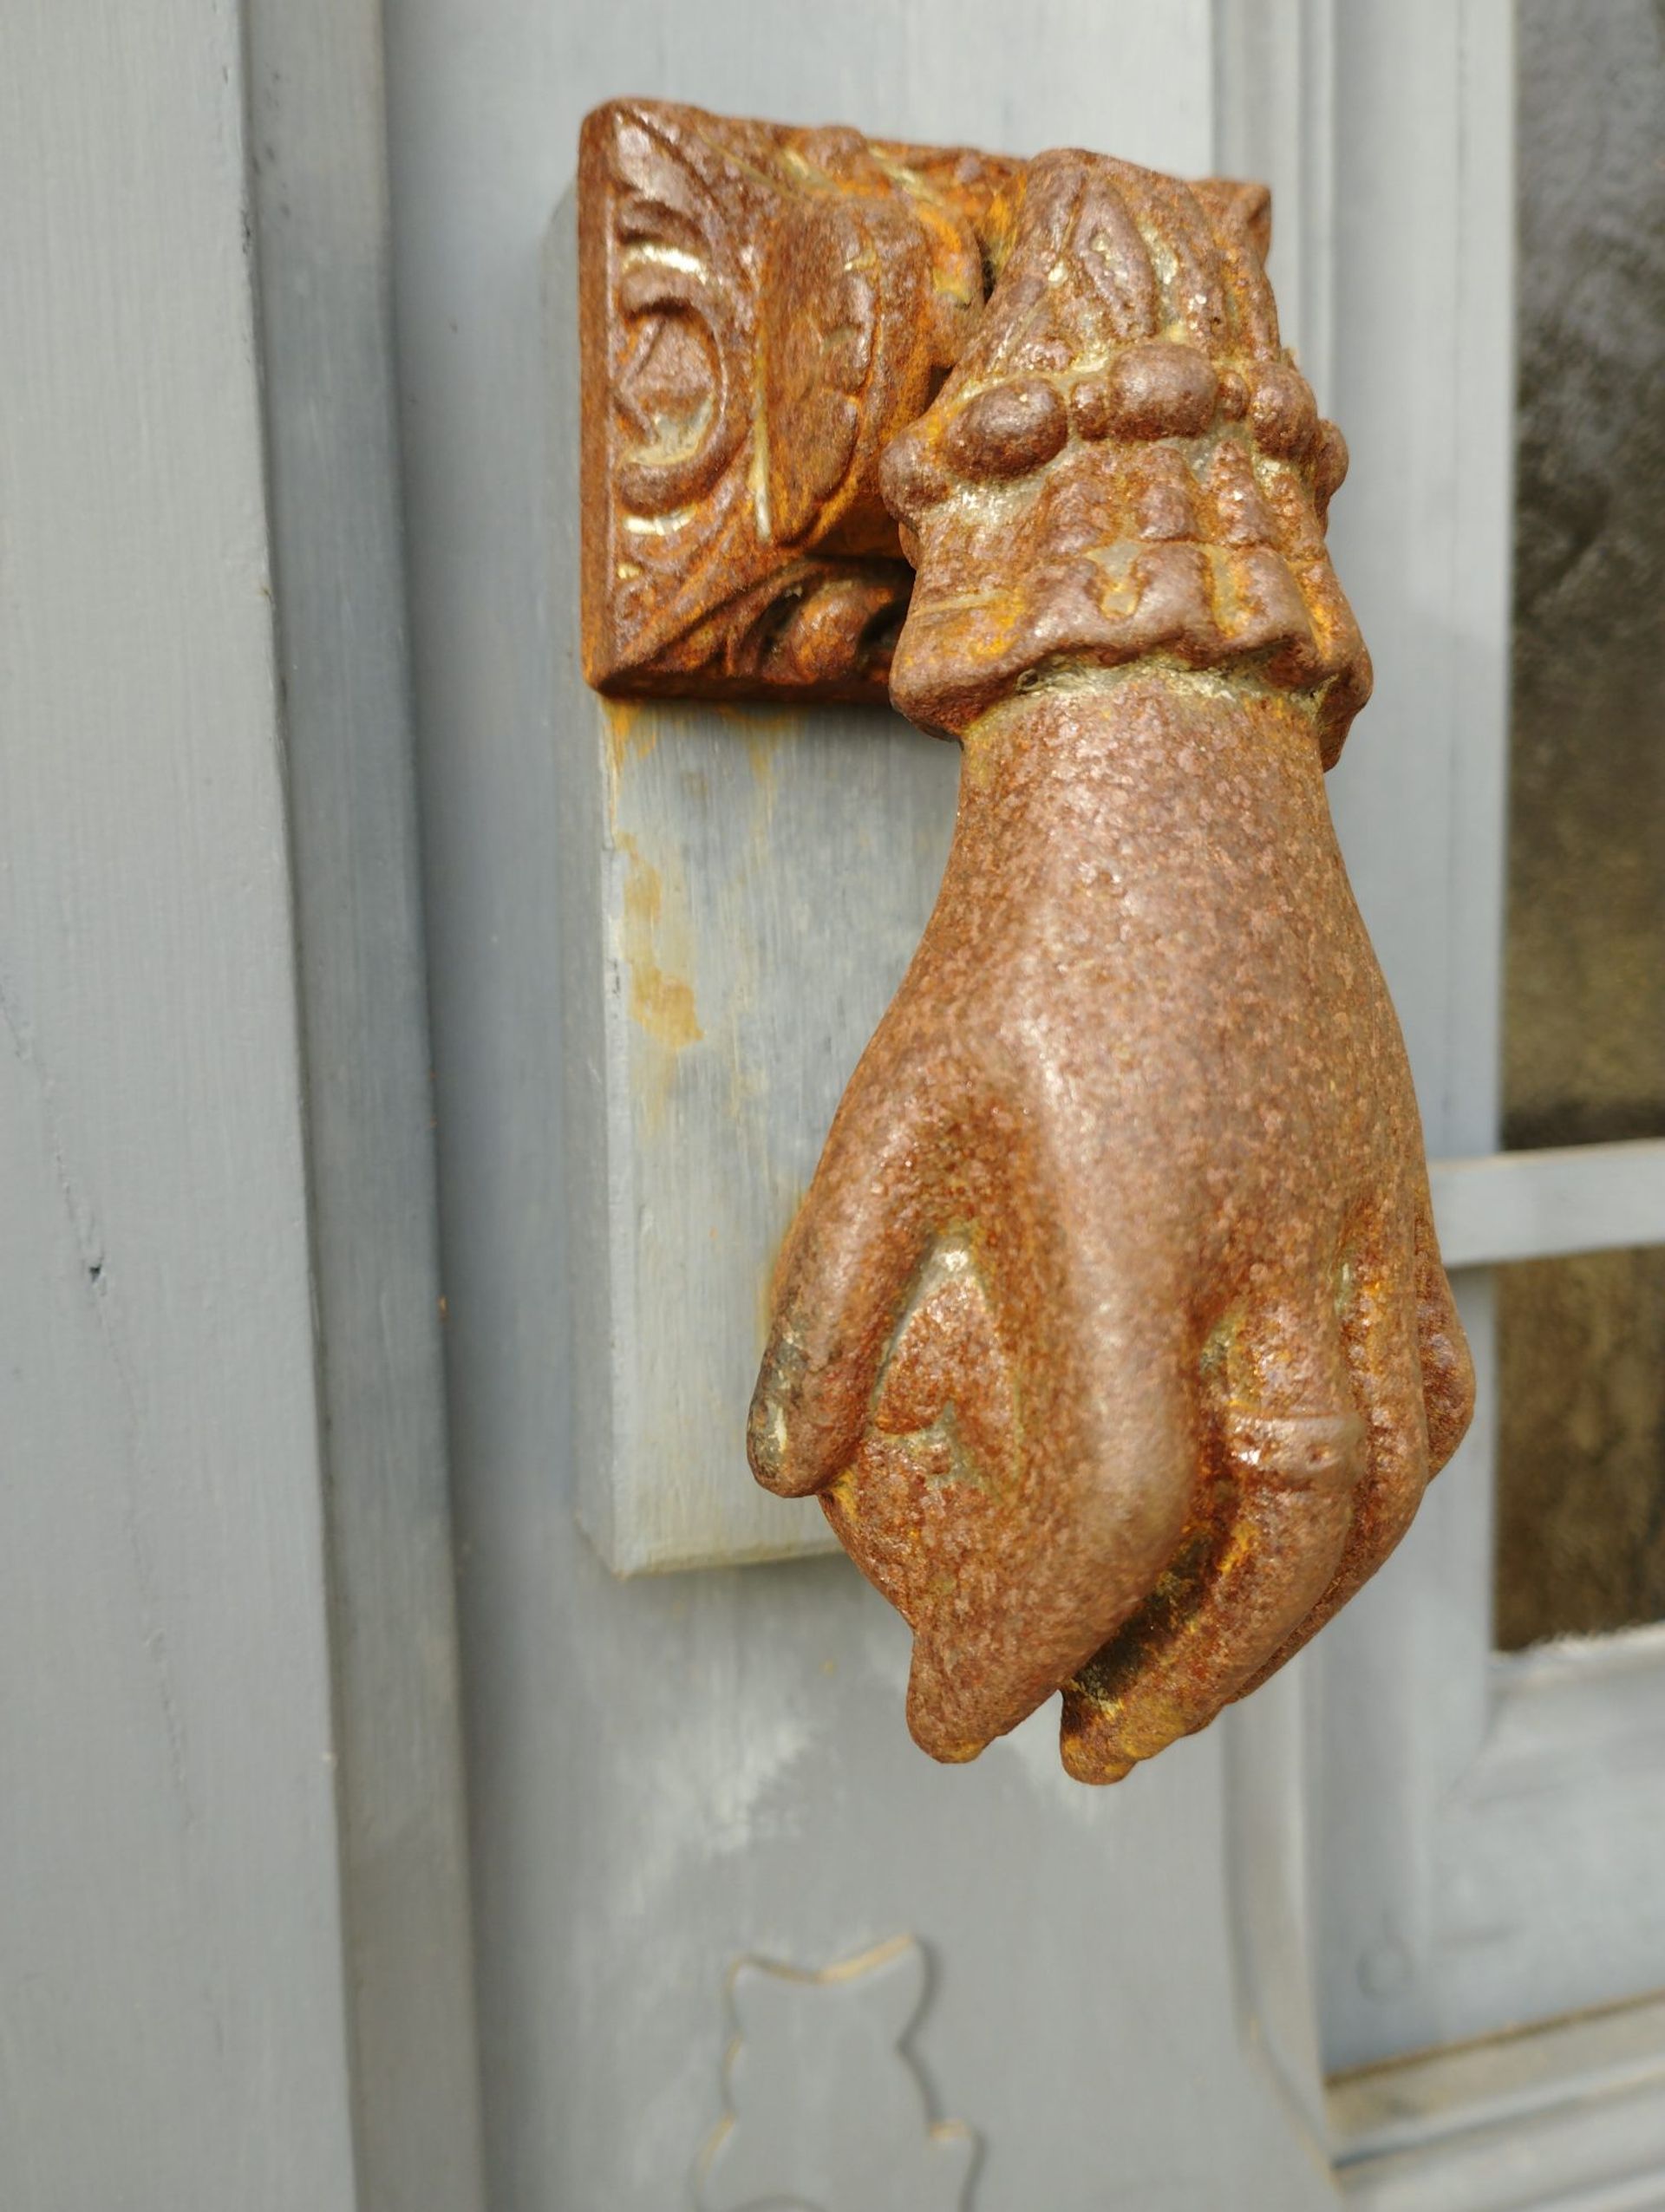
632	731
662	1002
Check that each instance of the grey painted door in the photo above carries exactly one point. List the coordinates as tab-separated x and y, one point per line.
730	1940
698	1826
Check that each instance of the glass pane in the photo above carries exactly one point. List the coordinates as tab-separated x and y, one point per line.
1582	1342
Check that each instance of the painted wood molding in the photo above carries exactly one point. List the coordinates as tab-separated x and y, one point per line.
1569	2118
322	253
1534	1206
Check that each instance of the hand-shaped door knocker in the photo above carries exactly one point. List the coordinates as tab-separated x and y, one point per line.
1112	1334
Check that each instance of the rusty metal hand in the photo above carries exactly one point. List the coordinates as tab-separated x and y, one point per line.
1113	1332
1114	1305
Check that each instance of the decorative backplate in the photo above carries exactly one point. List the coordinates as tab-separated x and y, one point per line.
760	309
827	2111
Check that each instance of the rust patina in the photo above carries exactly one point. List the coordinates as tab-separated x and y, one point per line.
1112	1334
762	308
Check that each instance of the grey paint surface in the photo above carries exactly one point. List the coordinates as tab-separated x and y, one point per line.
173	2033
670	1773
324	254
191	2013
1566	1198
807	2045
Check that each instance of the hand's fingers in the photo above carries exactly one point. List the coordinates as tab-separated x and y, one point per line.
998	1424
1038	1581
1284	1452
1379	1317
1447	1367
925	1505
842	1280
1024	1473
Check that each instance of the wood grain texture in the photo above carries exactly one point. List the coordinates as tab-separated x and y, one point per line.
175	2035
323	258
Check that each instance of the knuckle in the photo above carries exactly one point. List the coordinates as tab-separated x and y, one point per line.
1321	1451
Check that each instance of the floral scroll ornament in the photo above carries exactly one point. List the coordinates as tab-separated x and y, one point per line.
762	308
827	2110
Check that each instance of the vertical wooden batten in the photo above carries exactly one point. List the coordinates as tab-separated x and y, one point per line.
318	185
1423	381
233	1914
